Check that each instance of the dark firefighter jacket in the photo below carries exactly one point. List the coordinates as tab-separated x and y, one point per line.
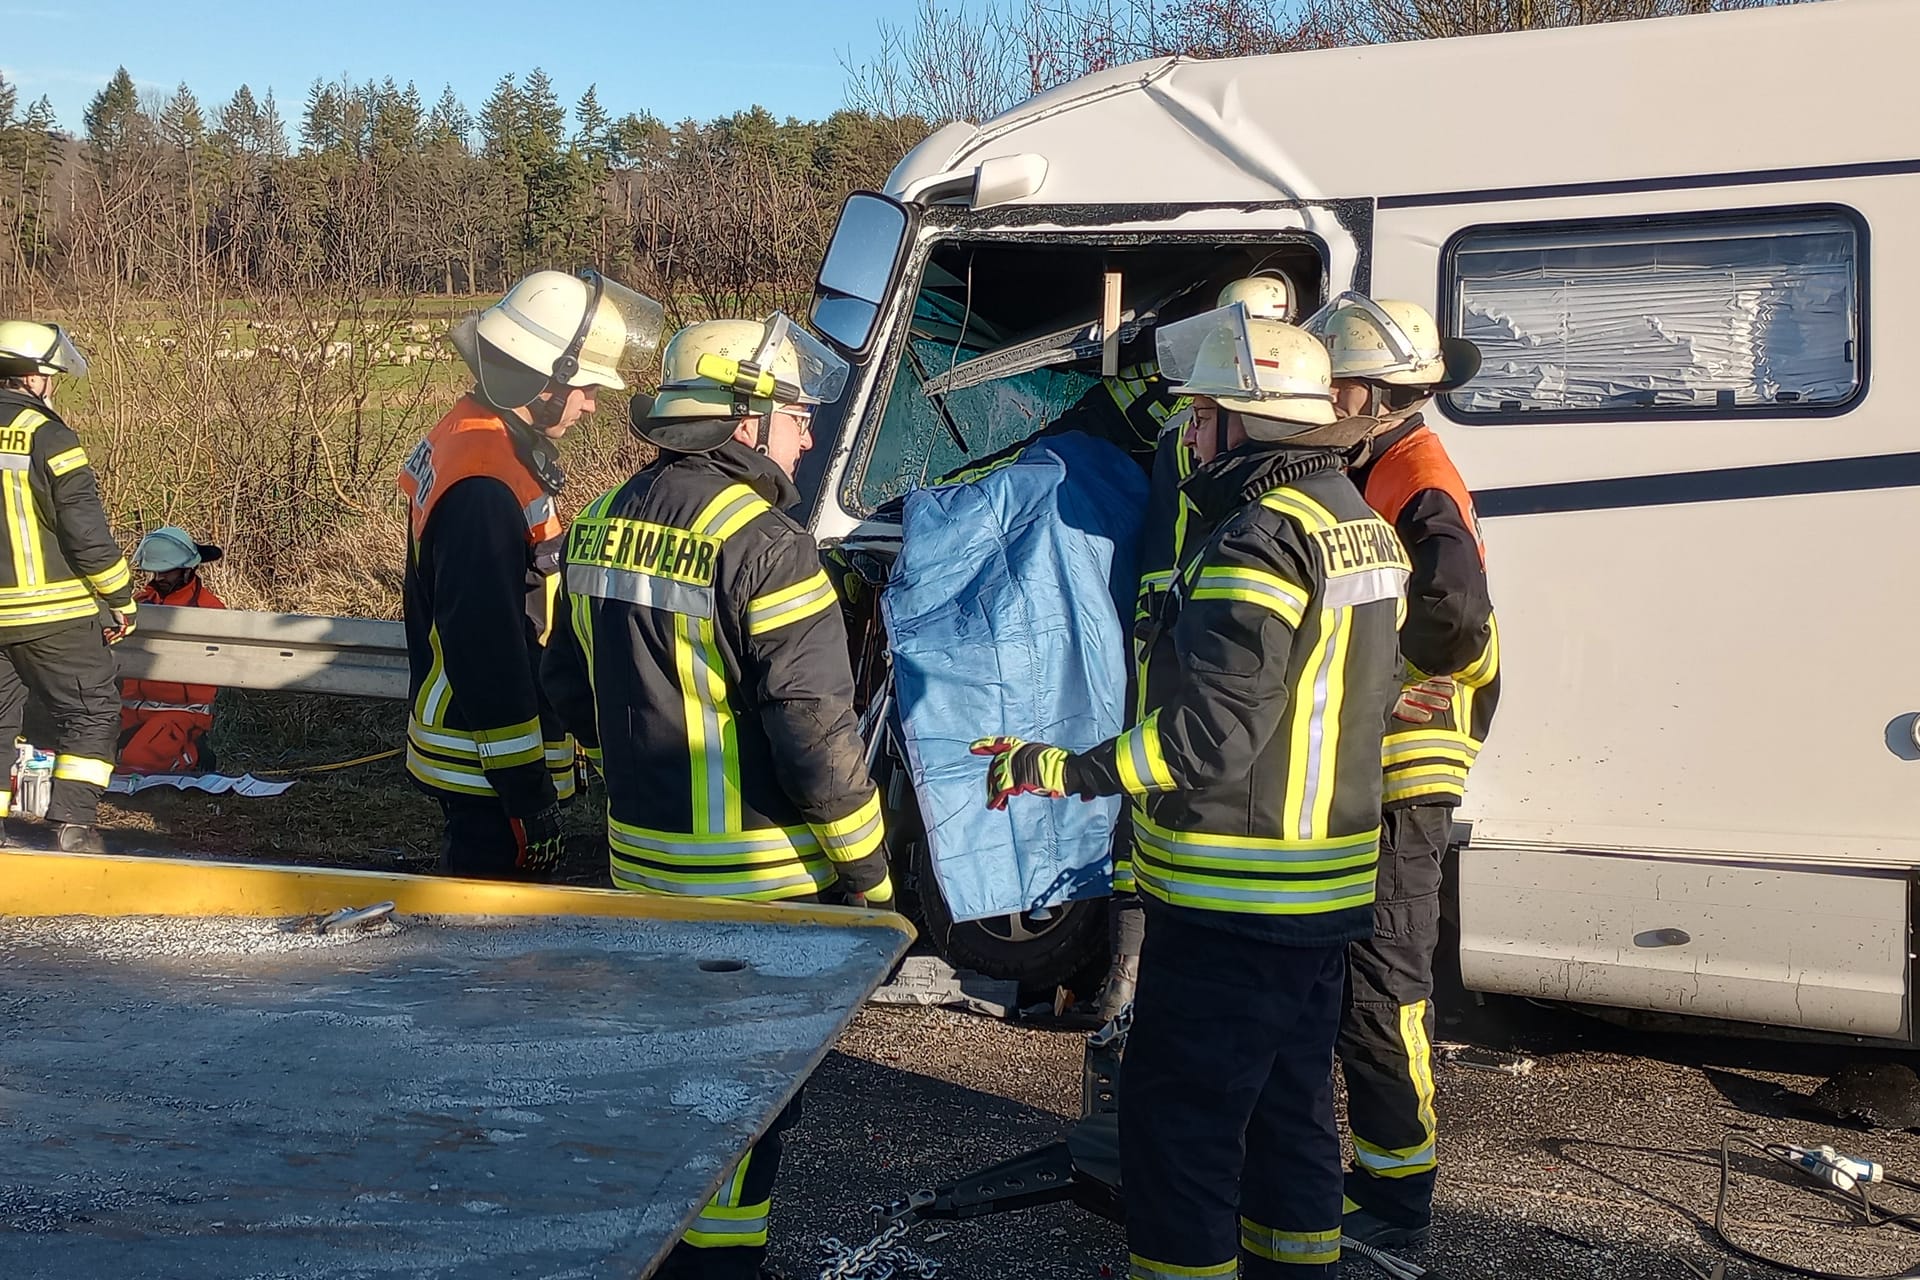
1271	672
704	665
1450	628
61	563
483	556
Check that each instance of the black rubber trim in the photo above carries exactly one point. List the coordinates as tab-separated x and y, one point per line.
1679	182
1734	484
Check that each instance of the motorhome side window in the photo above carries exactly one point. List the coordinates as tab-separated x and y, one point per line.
1741	314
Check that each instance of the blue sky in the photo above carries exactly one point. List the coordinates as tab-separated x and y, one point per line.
675	59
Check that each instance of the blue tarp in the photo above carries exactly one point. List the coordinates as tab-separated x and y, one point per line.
1004	613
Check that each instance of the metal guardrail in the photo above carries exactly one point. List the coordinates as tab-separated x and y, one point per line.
242	649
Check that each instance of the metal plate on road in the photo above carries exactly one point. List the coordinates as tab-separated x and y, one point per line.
444	1096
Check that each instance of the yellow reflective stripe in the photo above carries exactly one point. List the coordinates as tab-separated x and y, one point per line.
20	516
6	803
22	616
447	775
1301	1248
1252	586
855	836
515	744
1413	1038
724	1227
1448	744
435	691
112	578
694	709
1405	1163
1141	761
1483	669
72	460
790	604
1139	1268
83	769
1254	874
712	742
731	509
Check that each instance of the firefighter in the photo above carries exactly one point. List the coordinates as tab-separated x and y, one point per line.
703	664
65	590
1258	767
1388	360
163	723
483	556
1270	295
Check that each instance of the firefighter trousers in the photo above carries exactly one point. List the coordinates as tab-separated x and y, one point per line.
1227	1139
75	684
728	1241
479	840
1386	1032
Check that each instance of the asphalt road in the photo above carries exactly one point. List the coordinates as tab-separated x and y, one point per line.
1603	1161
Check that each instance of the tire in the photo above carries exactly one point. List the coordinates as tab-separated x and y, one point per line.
1039	955
1036	954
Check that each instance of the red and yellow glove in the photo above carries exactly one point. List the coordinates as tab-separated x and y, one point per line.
1420	703
1019	768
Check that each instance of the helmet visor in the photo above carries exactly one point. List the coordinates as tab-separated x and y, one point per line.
823	374
1403	356
65	357
618	334
1210	354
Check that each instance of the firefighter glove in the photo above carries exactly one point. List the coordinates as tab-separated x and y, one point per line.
1018	768
541	841
122	625
1420	703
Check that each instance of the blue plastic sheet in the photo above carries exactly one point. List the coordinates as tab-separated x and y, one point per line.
1005	617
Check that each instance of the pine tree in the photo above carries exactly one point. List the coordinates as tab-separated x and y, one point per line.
113	120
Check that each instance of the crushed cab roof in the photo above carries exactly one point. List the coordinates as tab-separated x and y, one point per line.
1825	83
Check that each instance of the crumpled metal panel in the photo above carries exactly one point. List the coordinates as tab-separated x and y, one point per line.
479	1096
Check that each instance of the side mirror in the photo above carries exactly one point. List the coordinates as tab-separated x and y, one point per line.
861	267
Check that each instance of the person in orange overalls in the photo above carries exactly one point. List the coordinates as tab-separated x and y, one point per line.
163	723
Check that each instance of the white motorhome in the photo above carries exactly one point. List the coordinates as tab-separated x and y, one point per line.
1688	248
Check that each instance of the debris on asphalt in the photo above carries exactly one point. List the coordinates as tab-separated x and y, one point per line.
931	982
1472	1057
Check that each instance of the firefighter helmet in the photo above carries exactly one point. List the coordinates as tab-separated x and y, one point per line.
171	547
716	372
1268	295
1273	374
1393	342
576	331
28	347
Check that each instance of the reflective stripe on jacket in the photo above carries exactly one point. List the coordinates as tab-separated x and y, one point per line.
1450	627
703	658
1258	763
61	562
483	553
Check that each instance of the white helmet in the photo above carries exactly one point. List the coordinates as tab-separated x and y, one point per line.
1268	295
577	331
1393	342
1273	374
171	547
28	347
716	372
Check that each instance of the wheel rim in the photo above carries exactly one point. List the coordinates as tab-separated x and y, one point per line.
1023	928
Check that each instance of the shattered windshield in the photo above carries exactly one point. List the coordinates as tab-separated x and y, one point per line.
922	438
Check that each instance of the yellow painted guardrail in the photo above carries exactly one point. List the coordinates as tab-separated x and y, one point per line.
79	884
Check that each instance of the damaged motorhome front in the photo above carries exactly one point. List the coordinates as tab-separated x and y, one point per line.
1702	518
